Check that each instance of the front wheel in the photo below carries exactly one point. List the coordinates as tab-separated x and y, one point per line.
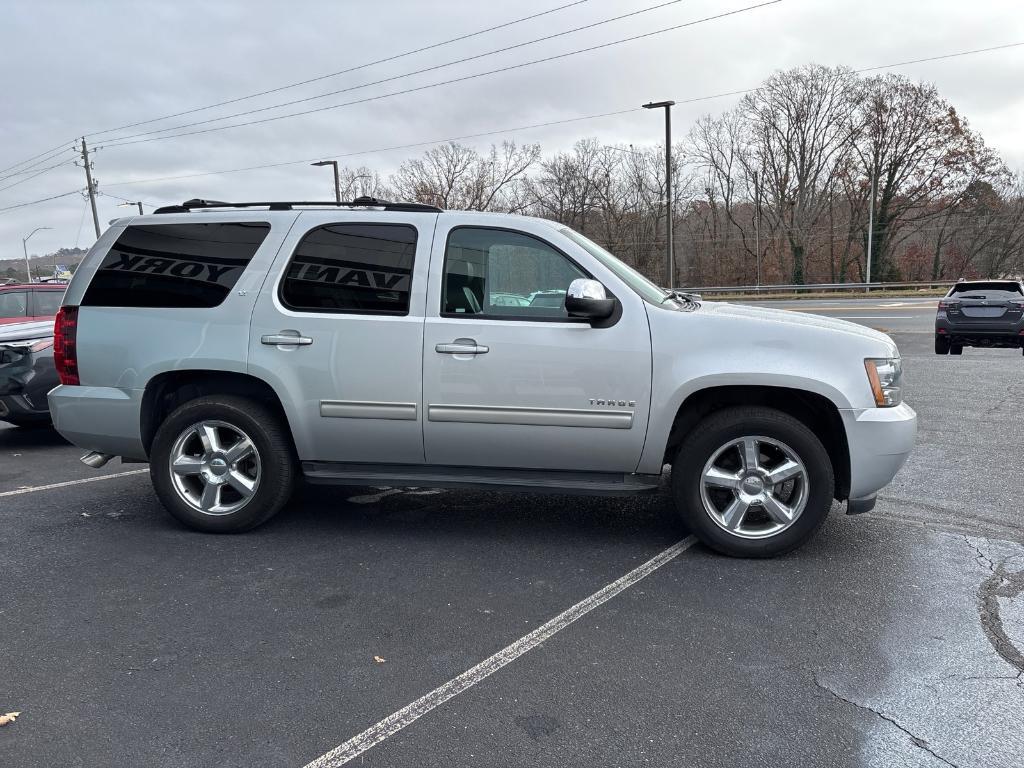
752	482
222	464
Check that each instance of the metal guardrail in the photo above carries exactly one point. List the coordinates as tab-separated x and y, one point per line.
837	287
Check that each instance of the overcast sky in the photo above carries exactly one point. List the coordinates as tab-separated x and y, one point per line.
85	67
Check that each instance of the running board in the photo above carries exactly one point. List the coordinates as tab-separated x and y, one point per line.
535	480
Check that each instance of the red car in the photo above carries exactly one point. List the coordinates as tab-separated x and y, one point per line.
30	303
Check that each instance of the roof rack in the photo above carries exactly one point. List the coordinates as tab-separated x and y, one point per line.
287	205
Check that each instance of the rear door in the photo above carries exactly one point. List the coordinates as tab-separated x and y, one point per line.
338	331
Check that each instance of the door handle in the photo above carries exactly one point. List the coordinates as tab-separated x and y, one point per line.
275	339
462	347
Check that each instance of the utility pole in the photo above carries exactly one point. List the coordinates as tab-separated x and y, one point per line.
871	228
90	187
671	266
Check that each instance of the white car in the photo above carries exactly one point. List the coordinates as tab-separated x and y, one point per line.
237	347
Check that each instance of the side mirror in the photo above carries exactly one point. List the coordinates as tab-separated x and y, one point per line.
588	299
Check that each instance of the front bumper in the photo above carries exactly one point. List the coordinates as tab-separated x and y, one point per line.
102	419
880	440
25	379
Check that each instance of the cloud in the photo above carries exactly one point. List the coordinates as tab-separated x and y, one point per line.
85	67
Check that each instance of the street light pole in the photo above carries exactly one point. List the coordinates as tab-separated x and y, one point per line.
671	266
337	179
757	228
871	228
137	202
24	248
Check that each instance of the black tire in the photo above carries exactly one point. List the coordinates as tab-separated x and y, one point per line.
273	447
716	431
941	345
956	349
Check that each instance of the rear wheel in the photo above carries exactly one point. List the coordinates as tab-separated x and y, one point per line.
752	482
941	345
956	349
222	464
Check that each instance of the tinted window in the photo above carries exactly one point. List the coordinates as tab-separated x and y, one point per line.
47	302
13	304
981	287
174	265
496	273
352	268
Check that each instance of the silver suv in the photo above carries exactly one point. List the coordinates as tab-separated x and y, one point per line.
240	347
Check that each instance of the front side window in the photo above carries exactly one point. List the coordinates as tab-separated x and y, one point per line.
361	268
174	265
13	304
496	273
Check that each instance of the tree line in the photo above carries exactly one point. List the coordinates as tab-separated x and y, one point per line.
784	184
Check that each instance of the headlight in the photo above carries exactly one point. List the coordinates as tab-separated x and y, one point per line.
885	374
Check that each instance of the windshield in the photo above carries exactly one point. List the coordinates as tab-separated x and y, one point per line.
647	290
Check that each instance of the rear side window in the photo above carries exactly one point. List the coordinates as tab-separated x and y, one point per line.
363	268
47	302
13	304
175	265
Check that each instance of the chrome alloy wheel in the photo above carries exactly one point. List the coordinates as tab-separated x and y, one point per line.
754	487
215	467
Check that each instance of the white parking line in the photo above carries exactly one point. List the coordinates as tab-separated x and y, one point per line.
34	488
871	317
406	716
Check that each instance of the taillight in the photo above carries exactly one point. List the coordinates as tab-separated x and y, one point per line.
949	305
65	345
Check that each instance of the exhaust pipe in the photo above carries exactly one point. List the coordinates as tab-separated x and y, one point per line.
95	459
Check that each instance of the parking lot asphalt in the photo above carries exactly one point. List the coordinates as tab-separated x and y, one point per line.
893	638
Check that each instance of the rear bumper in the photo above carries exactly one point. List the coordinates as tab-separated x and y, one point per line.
880	440
103	419
981	334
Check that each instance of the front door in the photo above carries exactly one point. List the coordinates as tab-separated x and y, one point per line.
338	332
509	380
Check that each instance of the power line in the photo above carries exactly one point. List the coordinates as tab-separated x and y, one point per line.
937	58
36	202
37	173
348	70
465	78
392	78
32	166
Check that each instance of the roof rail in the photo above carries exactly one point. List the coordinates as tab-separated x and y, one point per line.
287	205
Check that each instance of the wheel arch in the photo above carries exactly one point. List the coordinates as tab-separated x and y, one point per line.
168	390
816	411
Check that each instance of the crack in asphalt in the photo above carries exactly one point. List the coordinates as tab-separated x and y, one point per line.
955	520
1002	583
1007	585
916	740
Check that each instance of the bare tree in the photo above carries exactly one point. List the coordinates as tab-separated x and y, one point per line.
455	176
